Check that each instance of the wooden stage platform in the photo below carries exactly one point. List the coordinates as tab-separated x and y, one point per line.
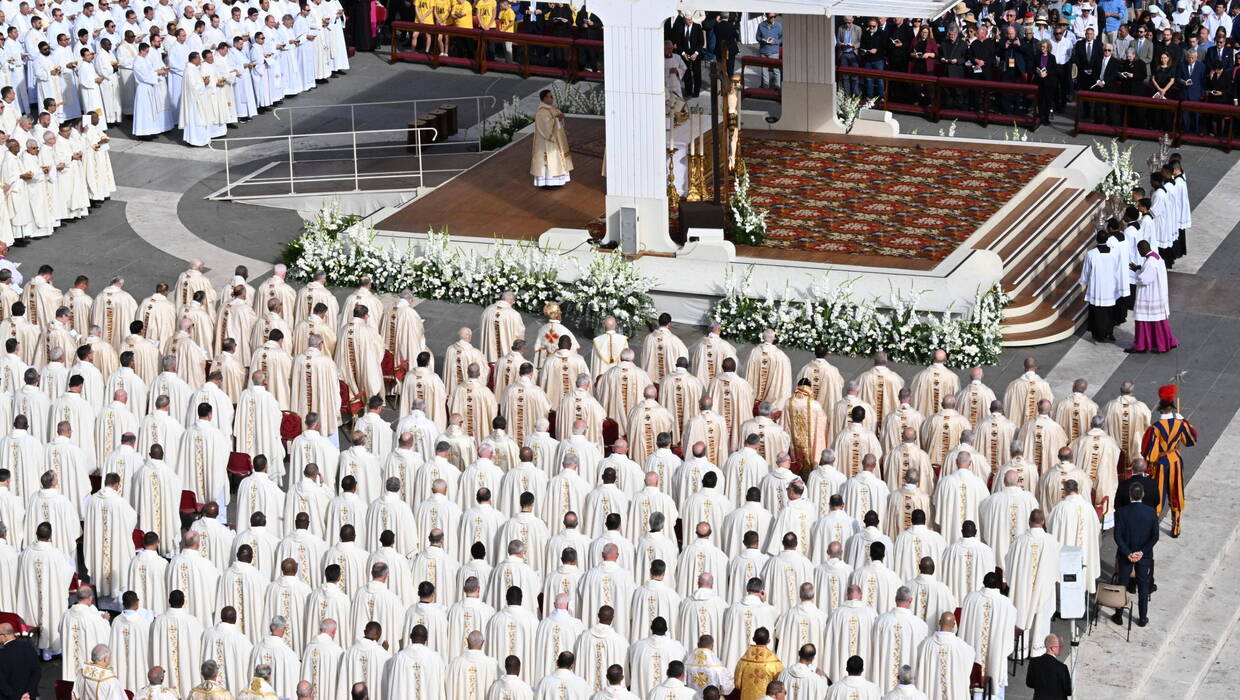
497	198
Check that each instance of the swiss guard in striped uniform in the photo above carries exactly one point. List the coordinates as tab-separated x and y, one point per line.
1161	448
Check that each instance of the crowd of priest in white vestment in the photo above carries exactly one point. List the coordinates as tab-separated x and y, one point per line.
213	466
190	64
51	172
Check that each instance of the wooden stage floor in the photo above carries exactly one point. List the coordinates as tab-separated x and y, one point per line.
497	197
832	199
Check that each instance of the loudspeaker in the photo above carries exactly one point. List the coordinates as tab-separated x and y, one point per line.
628	230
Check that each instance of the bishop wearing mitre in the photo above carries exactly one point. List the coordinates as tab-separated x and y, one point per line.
550	161
500	325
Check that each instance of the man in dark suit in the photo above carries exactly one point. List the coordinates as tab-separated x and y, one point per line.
1138	475
1220	57
19	666
1087	57
1136	533
690	43
873	52
1190	76
1048	676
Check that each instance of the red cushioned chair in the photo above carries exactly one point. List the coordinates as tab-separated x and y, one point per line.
290	426
239	467
64	690
20	628
190	507
611	433
979	681
137	538
96	483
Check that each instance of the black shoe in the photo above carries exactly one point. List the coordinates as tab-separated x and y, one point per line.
1153	587
1142	622
1118	617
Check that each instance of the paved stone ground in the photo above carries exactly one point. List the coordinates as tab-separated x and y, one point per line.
160	220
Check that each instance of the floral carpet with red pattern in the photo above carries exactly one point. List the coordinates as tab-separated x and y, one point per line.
883	200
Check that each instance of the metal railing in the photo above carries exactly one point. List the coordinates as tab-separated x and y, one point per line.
361	148
418	139
292	110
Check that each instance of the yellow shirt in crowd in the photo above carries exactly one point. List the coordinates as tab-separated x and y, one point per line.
423	11
507	21
486	13
443	11
462	14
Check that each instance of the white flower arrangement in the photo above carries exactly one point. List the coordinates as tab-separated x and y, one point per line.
1017	134
610	286
830	316
1121	175
848	107
746	224
344	247
579	98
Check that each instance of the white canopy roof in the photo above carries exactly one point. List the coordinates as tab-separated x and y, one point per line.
869	8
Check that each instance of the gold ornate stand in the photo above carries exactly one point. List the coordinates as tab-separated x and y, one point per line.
697	191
